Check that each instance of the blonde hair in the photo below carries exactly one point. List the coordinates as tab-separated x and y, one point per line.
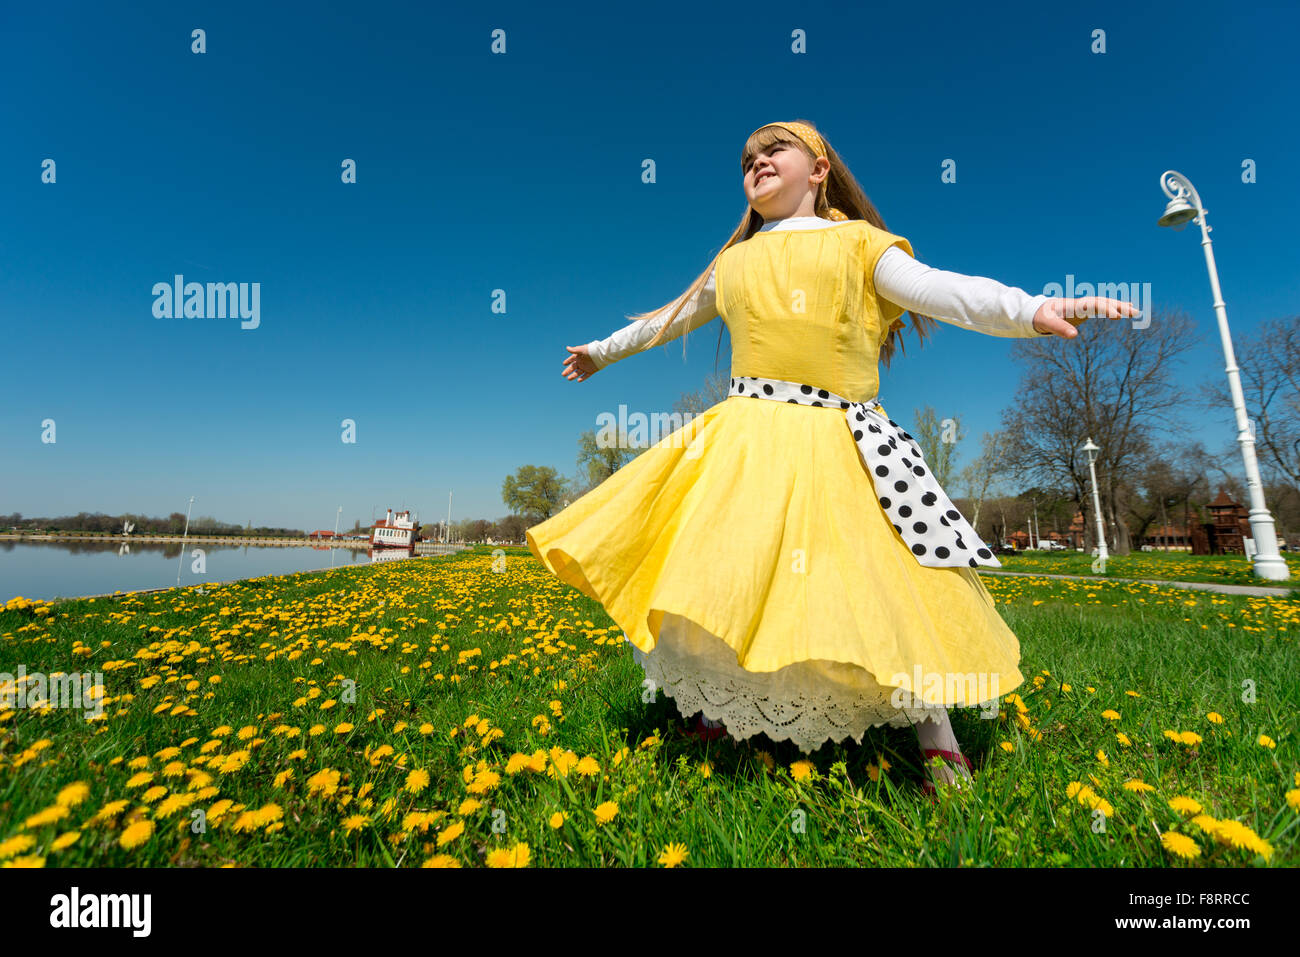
839	190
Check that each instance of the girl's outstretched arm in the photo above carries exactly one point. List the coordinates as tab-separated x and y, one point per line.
634	336
984	305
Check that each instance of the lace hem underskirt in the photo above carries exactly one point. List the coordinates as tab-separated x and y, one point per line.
808	703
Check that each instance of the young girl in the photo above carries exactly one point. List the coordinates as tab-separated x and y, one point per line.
790	566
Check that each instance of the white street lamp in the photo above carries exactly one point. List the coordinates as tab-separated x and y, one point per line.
1091	451
1178	212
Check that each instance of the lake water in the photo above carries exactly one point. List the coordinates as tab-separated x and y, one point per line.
69	569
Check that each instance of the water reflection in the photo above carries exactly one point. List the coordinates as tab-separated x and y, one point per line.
85	567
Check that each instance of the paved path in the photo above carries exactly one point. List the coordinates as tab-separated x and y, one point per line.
1258	590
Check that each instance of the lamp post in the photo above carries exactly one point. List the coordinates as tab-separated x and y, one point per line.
1178	212
181	561
1091	451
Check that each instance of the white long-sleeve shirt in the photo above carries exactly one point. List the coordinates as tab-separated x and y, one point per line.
972	302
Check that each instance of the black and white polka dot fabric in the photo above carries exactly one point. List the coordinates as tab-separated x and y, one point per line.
920	512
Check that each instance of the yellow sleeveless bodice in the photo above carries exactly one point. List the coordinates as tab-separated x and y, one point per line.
801	305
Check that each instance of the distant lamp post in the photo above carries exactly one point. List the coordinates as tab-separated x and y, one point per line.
1091	451
185	536
1178	212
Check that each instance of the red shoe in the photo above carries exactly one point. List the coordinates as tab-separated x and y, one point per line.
927	786
703	732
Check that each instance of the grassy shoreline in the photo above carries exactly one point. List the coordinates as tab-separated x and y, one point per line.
474	710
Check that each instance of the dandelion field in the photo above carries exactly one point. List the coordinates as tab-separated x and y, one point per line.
475	711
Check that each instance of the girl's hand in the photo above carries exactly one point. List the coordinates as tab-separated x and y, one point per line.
579	365
1061	316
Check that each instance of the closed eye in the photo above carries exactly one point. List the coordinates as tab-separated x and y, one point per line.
771	149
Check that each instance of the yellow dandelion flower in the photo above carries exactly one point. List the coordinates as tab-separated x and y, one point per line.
136	834
1179	844
557	819
67	839
140	779
517	856
343	727
441	860
325	781
1293	799
1190	738
468	807
355	822
483	782
1110	715
588	767
1101	756
16	845
1206	823
1007	746
606	812
1136	785
801	770
1214	717
450	833
1123	740
1266	741
516	763
1240	836
417	781
672	855
110	810
706	769
1185	805
561	762
73	794
51	814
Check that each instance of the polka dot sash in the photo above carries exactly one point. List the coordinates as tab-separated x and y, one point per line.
920	512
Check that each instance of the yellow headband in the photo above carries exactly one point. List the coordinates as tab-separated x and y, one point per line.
812	139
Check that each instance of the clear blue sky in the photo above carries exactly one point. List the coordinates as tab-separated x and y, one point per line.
522	172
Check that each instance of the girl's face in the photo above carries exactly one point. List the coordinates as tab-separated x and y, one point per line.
781	181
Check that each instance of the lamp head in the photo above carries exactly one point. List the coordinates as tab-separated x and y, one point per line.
1178	213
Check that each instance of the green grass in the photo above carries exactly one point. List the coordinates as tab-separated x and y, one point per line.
1162	566
1162	658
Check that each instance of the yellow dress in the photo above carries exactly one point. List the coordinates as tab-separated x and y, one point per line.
746	556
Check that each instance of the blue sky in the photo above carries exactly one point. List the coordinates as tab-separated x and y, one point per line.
522	172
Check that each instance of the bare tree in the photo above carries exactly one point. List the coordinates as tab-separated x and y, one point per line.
1112	383
1269	365
715	390
980	475
937	439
